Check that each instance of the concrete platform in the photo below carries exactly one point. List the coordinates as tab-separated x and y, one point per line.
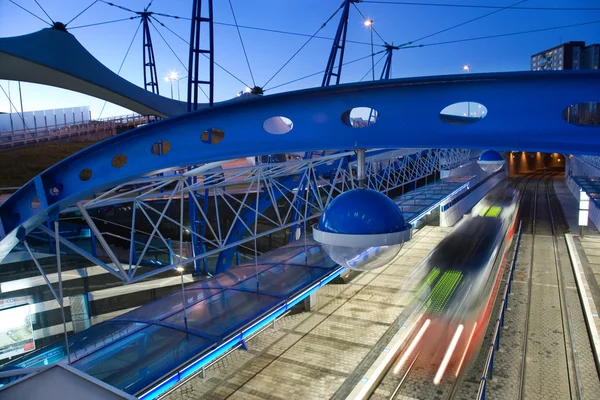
325	352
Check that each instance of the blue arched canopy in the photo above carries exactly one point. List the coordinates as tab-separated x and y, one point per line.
524	111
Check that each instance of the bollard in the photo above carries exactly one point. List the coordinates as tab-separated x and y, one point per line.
491	372
498	335
482	385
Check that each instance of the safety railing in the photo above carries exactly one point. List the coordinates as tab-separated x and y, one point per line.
108	126
494	345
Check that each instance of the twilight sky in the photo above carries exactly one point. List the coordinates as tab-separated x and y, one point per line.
268	51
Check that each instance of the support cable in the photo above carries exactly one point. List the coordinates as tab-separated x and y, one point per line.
20	114
320	72
42	8
242	42
169	46
462	23
124	58
303	46
408	3
106	22
294	33
175	54
27	11
84	10
502	35
188	43
255	28
118	6
373	67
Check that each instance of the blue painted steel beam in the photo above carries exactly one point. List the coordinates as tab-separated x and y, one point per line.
195	51
148	56
386	72
338	47
524	112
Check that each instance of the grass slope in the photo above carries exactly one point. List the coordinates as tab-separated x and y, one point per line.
20	165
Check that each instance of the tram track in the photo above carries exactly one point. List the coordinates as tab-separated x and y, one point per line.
450	389
541	202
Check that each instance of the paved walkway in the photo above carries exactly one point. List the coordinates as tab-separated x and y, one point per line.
585	257
325	352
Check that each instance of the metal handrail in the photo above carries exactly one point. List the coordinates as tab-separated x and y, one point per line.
55	131
495	342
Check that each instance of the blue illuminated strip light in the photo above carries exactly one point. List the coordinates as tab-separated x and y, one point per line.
235	341
415	220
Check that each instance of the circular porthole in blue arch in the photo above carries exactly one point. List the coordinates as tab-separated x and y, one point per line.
360	117
491	161
585	114
362	230
463	113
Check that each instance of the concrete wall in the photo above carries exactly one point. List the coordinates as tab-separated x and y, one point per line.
44	118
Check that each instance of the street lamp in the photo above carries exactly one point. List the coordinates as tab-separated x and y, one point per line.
180	269
467	68
173	76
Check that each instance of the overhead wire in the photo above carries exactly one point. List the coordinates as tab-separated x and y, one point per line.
168	45
304	45
124	58
242	41
188	43
408	3
294	33
105	22
462	23
320	72
256	28
502	35
175	54
27	11
84	10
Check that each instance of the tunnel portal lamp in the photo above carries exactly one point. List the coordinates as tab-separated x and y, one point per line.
362	229
490	161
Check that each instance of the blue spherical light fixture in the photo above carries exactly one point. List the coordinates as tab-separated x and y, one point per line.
491	161
362	229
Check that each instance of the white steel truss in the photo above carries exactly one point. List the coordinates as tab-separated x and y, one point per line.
262	199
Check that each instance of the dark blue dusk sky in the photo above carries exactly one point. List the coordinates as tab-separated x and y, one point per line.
267	52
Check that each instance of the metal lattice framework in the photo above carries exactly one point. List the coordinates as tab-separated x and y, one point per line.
594	161
235	190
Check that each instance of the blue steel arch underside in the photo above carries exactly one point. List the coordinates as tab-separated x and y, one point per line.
524	112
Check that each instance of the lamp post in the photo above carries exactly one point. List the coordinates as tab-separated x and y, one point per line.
467	68
178	92
369	23
173	76
180	269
